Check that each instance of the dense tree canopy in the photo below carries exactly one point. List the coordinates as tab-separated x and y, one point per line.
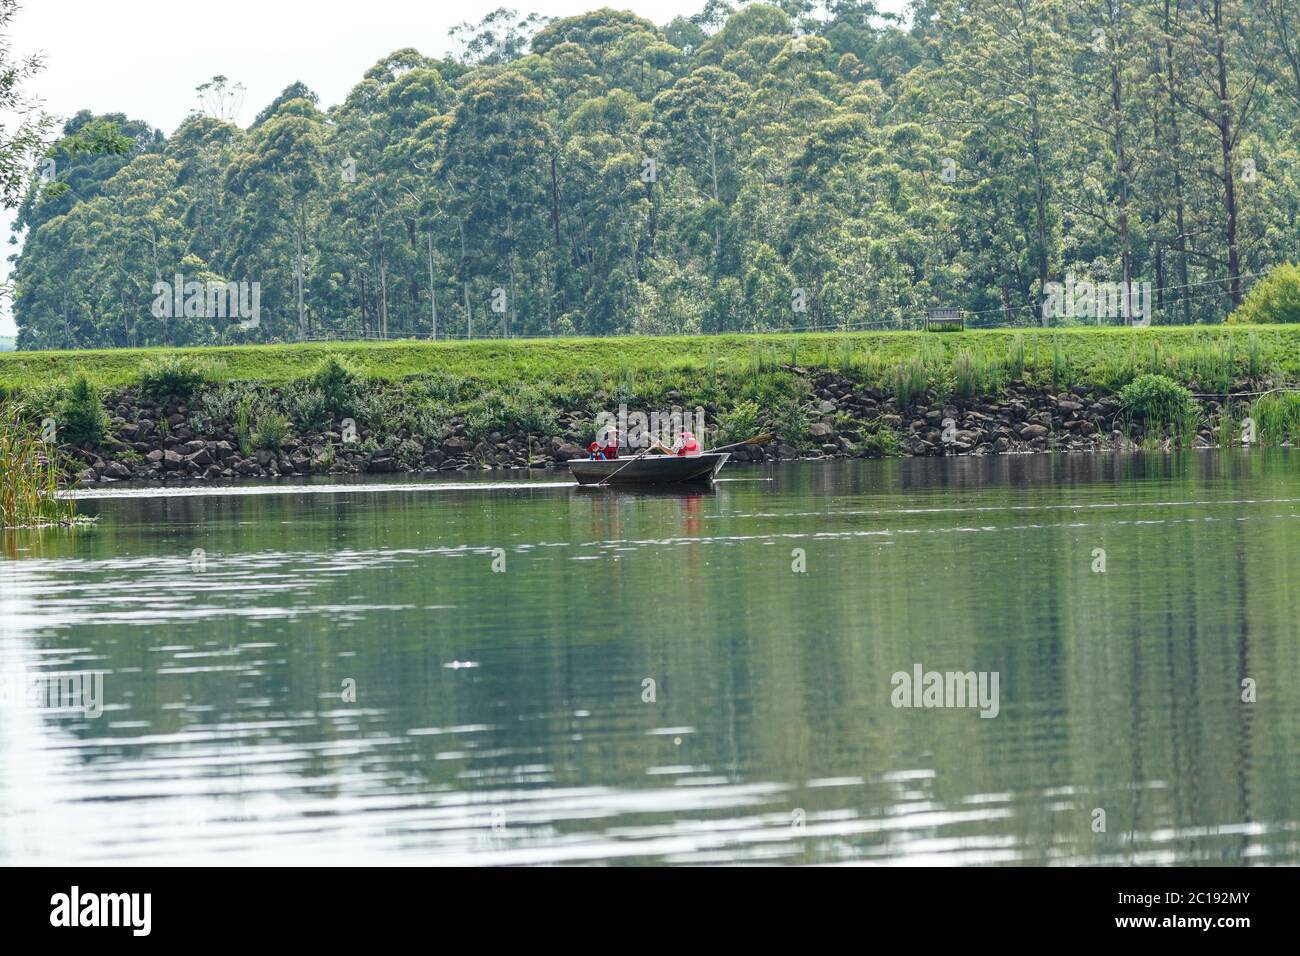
768	166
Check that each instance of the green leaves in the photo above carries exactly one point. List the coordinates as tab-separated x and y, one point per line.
768	167
1274	298
81	416
171	377
1155	400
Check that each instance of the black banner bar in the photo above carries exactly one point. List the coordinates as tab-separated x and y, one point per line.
343	903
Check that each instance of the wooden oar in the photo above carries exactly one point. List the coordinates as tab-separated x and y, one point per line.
756	440
622	466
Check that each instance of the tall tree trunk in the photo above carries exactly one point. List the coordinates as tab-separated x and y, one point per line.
1121	180
298	280
1036	148
1174	158
382	264
717	224
1225	146
433	294
469	314
555	203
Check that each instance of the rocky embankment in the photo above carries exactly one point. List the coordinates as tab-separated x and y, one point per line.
154	441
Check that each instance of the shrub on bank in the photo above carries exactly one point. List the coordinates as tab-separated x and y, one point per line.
883	442
272	432
338	384
1157	401
738	423
81	417
1274	298
525	411
174	377
307	407
790	421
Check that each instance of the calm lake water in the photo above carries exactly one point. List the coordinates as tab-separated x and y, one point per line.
506	717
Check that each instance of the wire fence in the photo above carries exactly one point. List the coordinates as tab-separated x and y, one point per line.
1171	310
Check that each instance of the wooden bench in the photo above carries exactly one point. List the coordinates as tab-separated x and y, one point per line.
944	320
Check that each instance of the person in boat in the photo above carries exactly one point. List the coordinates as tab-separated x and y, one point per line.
686	445
607	443
595	452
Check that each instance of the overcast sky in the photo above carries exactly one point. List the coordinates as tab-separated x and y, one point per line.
145	57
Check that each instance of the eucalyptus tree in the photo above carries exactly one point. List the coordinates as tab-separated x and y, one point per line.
502	36
994	85
1280	20
1107	141
773	165
696	120
203	147
608	189
75	167
383	148
49	283
1219	94
495	167
276	176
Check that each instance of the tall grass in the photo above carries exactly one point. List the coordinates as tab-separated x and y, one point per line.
910	379
244	422
965	374
1227	426
1015	360
29	477
1255	359
1209	364
1161	405
973	375
1277	418
845	355
1062	366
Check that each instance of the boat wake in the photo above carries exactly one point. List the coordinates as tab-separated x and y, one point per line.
207	491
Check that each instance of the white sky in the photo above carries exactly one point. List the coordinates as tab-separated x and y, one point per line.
145	57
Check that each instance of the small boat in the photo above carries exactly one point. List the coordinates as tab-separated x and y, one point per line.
649	469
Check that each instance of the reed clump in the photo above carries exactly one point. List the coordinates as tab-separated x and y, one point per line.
1160	404
29	477
1277	418
910	380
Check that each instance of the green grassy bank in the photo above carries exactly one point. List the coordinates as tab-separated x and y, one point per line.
1203	357
261	411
